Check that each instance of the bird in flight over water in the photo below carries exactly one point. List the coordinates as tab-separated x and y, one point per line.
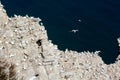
79	20
74	30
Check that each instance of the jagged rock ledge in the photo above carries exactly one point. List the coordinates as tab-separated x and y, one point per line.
24	44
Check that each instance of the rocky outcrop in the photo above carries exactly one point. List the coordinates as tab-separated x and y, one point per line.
24	44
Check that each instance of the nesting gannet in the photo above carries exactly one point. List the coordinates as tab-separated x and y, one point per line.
15	15
41	24
32	78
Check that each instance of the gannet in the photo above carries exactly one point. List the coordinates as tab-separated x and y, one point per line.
74	30
79	20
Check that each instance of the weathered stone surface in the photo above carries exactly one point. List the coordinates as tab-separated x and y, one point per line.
24	43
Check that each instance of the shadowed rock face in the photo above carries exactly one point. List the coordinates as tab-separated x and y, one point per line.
7	70
24	43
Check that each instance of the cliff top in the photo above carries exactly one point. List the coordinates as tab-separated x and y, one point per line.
24	44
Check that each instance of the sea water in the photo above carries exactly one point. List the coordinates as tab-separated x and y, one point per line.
98	22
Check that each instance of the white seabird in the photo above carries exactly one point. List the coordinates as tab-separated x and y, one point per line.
32	78
41	24
74	30
79	20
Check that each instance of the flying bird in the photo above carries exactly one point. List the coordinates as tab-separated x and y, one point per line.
79	20
74	30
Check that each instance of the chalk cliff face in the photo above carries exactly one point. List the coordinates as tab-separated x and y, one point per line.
24	44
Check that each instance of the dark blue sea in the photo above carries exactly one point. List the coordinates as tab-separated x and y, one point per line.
98	30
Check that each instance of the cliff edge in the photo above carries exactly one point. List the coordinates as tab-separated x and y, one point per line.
27	54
